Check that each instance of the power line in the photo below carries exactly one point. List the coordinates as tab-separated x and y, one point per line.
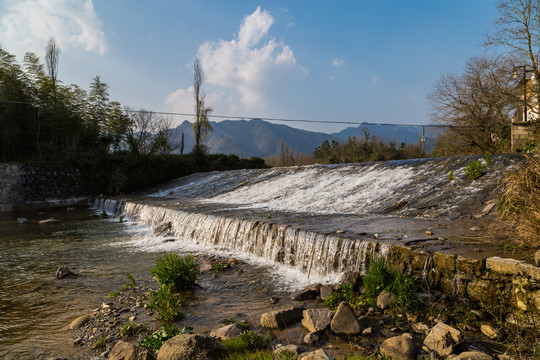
268	118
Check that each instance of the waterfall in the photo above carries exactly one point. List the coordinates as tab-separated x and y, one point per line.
320	255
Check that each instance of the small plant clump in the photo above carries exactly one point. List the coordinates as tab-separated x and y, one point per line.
131	330
157	338
130	284
176	272
166	304
475	169
219	266
248	340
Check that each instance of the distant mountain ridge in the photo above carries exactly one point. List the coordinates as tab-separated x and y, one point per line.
261	138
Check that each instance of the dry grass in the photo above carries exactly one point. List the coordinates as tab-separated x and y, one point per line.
519	201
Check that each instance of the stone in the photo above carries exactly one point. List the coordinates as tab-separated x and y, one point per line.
314	287
49	221
318	354
445	263
280	319
311	338
316	319
468	266
420	328
473	355
537	258
325	291
530	271
103	215
274	299
22	220
304	295
482	290
344	321
367	331
385	299
354	278
291	348
79	322
398	348
63	272
502	266
191	346
227	332
126	351
442	338
490	332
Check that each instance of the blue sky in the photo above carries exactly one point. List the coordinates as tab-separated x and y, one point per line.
371	61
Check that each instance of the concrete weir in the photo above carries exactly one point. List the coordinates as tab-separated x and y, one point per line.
327	220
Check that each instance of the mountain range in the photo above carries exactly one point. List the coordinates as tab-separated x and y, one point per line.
261	138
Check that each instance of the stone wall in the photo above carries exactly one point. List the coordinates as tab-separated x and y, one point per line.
493	281
521	133
24	186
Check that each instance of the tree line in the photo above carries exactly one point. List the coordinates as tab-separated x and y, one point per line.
122	149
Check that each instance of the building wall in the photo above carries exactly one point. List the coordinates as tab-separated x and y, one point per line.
521	132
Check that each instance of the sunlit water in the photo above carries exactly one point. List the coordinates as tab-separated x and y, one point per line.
36	308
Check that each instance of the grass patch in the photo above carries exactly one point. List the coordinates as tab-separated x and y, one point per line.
131	330
157	338
475	169
176	272
248	340
219	266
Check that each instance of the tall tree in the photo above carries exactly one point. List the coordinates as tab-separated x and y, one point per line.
475	106
52	56
201	126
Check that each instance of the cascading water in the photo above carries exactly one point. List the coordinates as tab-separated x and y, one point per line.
322	209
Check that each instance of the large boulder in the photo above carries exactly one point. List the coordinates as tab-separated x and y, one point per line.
280	319
442	338
344	321
126	351
227	332
306	294
191	346
317	319
398	348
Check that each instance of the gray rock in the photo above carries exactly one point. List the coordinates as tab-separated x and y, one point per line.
344	321
367	331
384	300
442	338
420	328
79	322
325	291
317	319
304	295
64	272
312	338
354	278
22	220
291	348
227	332
490	332
126	351
280	319
398	348
537	258
191	346
473	355
314	287
319	354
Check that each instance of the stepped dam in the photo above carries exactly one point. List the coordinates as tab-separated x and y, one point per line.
423	216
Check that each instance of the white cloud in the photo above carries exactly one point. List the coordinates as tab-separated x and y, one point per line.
338	62
27	25
181	101
253	65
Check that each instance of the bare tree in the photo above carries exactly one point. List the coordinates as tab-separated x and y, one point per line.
148	133
475	106
201	126
518	32
52	56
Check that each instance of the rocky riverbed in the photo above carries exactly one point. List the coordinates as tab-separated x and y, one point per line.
301	326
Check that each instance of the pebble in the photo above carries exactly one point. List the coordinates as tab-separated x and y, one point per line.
367	331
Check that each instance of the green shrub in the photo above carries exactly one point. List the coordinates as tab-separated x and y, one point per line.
377	279
166	304
176	272
219	266
157	338
475	169
345	293
130	284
